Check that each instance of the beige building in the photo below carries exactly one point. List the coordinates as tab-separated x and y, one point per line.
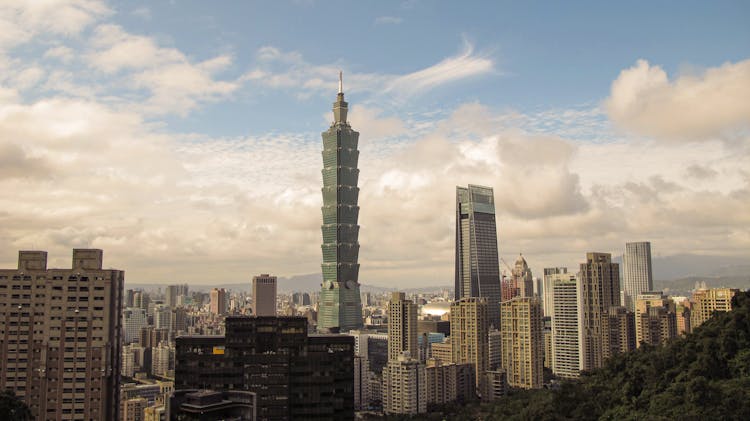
707	301
655	318
522	348
402	327
133	409
442	386
60	336
264	295
469	333
443	351
404	386
599	289
618	332
218	304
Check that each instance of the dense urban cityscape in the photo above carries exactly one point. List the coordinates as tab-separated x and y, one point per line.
80	346
451	331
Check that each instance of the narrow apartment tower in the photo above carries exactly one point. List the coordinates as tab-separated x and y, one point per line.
402	327
599	290
264	295
61	339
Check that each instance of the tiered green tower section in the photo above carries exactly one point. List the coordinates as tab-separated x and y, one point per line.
340	306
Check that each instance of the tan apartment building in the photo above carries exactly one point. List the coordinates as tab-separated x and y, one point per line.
522	349
60	336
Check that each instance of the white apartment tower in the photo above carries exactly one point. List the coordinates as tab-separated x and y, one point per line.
564	314
637	272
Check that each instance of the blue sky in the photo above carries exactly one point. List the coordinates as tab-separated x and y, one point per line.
545	54
183	138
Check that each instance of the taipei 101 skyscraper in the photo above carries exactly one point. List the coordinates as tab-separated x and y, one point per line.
339	306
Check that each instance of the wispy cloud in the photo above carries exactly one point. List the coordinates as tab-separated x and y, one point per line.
280	69
388	20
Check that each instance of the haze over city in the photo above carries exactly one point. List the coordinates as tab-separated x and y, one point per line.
183	138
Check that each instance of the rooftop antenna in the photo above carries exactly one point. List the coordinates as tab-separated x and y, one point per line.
341	82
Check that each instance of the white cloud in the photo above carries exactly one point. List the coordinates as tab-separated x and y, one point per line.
692	106
176	84
61	52
465	65
388	20
21	20
287	70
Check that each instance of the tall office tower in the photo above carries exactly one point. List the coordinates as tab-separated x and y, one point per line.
340	306
264	295
294	375
563	289
618	332
129	298
402	327
404	386
469	332
522	349
171	294
599	290
524	279
141	299
649	324
162	317
706	301
133	320
477	270
179	321
636	270
61	337
218	303
550	275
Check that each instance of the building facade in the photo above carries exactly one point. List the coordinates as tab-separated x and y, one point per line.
264	295
563	302
218	303
706	301
523	347
61	336
637	273
477	271
469	333
402	327
340	304
618	332
599	290
294	375
404	386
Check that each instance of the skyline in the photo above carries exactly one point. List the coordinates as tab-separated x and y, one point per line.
140	129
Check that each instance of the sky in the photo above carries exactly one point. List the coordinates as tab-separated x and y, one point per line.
183	137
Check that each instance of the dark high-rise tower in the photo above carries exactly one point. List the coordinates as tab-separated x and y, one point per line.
477	270
340	308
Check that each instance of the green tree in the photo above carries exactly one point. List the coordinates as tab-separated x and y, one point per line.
12	408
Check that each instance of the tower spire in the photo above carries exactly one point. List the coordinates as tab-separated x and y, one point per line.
340	107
